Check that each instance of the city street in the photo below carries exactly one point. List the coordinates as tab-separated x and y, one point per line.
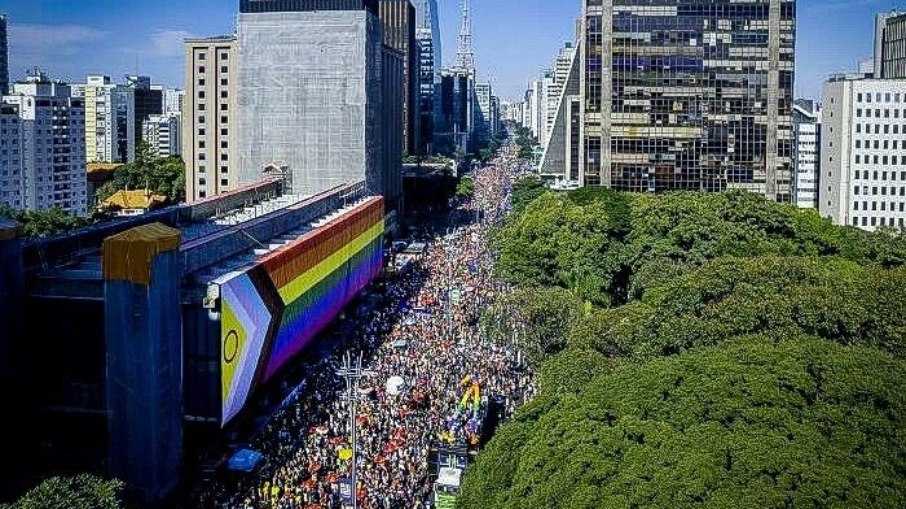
430	378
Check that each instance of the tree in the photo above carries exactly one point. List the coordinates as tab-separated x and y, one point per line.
163	176
755	422
80	492
44	222
465	188
525	191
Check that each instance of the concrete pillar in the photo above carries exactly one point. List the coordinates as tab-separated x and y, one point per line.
12	294
143	329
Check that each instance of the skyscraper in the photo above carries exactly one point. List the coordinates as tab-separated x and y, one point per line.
863	169
890	45
483	112
4	55
109	121
428	19
427	70
209	144
688	95
398	20
807	173
148	101
310	92
52	130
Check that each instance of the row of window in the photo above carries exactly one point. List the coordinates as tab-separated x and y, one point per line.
883	160
877	129
883	208
884	221
875	175
880	97
877	144
857	190
867	112
204	56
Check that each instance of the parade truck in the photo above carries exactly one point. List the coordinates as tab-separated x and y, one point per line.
449	466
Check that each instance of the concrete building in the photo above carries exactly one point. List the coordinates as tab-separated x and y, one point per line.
399	25
162	134
109	120
554	85
688	96
174	100
427	19
807	132
560	162
12	174
495	116
890	45
210	133
310	92
482	111
149	100
454	127
863	138
428	77
4	55
52	124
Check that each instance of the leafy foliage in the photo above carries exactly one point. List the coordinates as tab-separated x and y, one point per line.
754	422
465	188
525	191
699	350
631	241
80	492
45	222
163	176
537	319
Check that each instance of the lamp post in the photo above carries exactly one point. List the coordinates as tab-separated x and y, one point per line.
352	371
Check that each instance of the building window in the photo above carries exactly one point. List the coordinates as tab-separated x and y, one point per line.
224	182
202	56
201	69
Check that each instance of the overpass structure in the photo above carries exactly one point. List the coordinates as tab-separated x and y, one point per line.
128	336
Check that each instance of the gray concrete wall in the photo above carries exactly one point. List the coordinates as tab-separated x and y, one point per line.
309	96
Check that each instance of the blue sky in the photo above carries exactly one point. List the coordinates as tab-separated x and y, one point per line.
513	38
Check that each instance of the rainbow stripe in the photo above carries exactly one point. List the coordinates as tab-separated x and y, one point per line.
306	283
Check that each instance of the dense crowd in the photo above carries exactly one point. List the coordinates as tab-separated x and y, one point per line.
419	330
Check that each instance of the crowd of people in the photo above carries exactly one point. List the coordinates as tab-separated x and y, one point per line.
431	376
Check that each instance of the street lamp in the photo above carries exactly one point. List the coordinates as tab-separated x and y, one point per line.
352	371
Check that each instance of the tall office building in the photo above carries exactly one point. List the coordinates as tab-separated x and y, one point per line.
4	55
149	100
399	25
425	40
806	171
310	92
482	112
495	115
428	19
209	134
863	141
12	175
161	133
688	95
173	100
560	157
560	69
109	120
890	45
52	125
455	122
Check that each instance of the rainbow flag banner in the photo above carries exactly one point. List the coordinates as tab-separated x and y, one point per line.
272	311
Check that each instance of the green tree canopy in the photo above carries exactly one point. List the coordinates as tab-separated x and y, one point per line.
80	492
754	422
45	222
163	176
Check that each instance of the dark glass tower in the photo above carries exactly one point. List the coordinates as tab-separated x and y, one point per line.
688	95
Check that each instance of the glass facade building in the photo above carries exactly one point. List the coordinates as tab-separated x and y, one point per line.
688	95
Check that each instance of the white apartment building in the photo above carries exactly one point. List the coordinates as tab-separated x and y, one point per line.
555	84
12	178
162	134
863	152
209	137
52	126
173	100
109	120
807	133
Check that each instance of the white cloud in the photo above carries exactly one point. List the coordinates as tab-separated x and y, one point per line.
168	43
32	42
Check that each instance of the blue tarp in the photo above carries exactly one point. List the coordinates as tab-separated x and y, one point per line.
245	460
